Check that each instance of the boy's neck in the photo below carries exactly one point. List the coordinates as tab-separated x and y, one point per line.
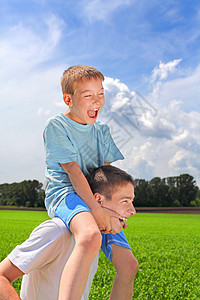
70	116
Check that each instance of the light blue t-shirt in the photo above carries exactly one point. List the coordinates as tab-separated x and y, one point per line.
65	141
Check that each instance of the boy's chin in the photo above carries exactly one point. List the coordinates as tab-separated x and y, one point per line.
116	226
117	229
91	121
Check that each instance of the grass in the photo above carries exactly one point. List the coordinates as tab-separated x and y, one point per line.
167	247
15	227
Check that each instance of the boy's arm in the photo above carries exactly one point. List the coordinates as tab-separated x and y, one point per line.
8	273
82	188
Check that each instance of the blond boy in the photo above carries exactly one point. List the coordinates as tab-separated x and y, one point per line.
76	143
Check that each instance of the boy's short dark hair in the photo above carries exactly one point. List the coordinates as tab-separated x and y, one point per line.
77	73
104	180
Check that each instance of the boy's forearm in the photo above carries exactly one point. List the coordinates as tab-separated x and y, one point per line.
8	273
7	292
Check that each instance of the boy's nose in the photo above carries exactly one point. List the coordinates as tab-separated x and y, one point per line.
132	210
95	98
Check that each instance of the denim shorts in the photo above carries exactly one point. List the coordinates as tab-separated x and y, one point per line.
71	205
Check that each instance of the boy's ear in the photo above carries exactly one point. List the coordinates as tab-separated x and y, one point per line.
67	99
98	198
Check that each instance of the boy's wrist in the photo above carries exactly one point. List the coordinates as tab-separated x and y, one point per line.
95	207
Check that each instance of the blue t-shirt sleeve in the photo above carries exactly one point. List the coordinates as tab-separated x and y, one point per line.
58	146
111	152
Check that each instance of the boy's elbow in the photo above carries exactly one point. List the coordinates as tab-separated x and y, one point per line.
9	272
71	167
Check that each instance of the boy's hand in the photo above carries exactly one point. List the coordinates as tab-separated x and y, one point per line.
103	218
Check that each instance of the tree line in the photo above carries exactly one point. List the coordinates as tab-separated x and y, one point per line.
28	193
171	191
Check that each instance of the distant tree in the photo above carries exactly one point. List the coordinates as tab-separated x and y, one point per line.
160	192
142	193
171	191
198	193
31	190
196	202
3	189
27	193
40	199
187	189
171	181
155	191
173	195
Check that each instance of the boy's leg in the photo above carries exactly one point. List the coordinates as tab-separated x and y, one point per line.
118	251
87	244
126	267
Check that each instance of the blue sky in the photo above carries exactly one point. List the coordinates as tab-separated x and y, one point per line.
149	52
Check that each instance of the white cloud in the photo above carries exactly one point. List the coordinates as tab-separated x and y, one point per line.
179	159
100	10
157	140
184	161
22	49
41	111
117	94
162	71
184	88
158	126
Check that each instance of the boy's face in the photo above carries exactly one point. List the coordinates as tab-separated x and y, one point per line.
87	101
121	202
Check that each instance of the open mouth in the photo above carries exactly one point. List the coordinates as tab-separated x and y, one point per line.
123	224
92	113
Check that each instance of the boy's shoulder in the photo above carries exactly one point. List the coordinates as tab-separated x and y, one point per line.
53	119
101	125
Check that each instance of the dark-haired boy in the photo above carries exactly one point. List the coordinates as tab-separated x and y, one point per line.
43	256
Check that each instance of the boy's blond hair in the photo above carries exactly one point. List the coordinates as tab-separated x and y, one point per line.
75	74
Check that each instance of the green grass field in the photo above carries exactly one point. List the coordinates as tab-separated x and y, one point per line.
167	247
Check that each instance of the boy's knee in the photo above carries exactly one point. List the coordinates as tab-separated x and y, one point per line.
129	269
133	267
90	240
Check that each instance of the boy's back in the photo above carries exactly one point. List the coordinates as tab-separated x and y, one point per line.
65	141
50	245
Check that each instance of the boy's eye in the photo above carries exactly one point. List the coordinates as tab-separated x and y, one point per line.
101	94
87	96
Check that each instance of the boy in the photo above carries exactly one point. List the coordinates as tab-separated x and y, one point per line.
75	144
43	265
